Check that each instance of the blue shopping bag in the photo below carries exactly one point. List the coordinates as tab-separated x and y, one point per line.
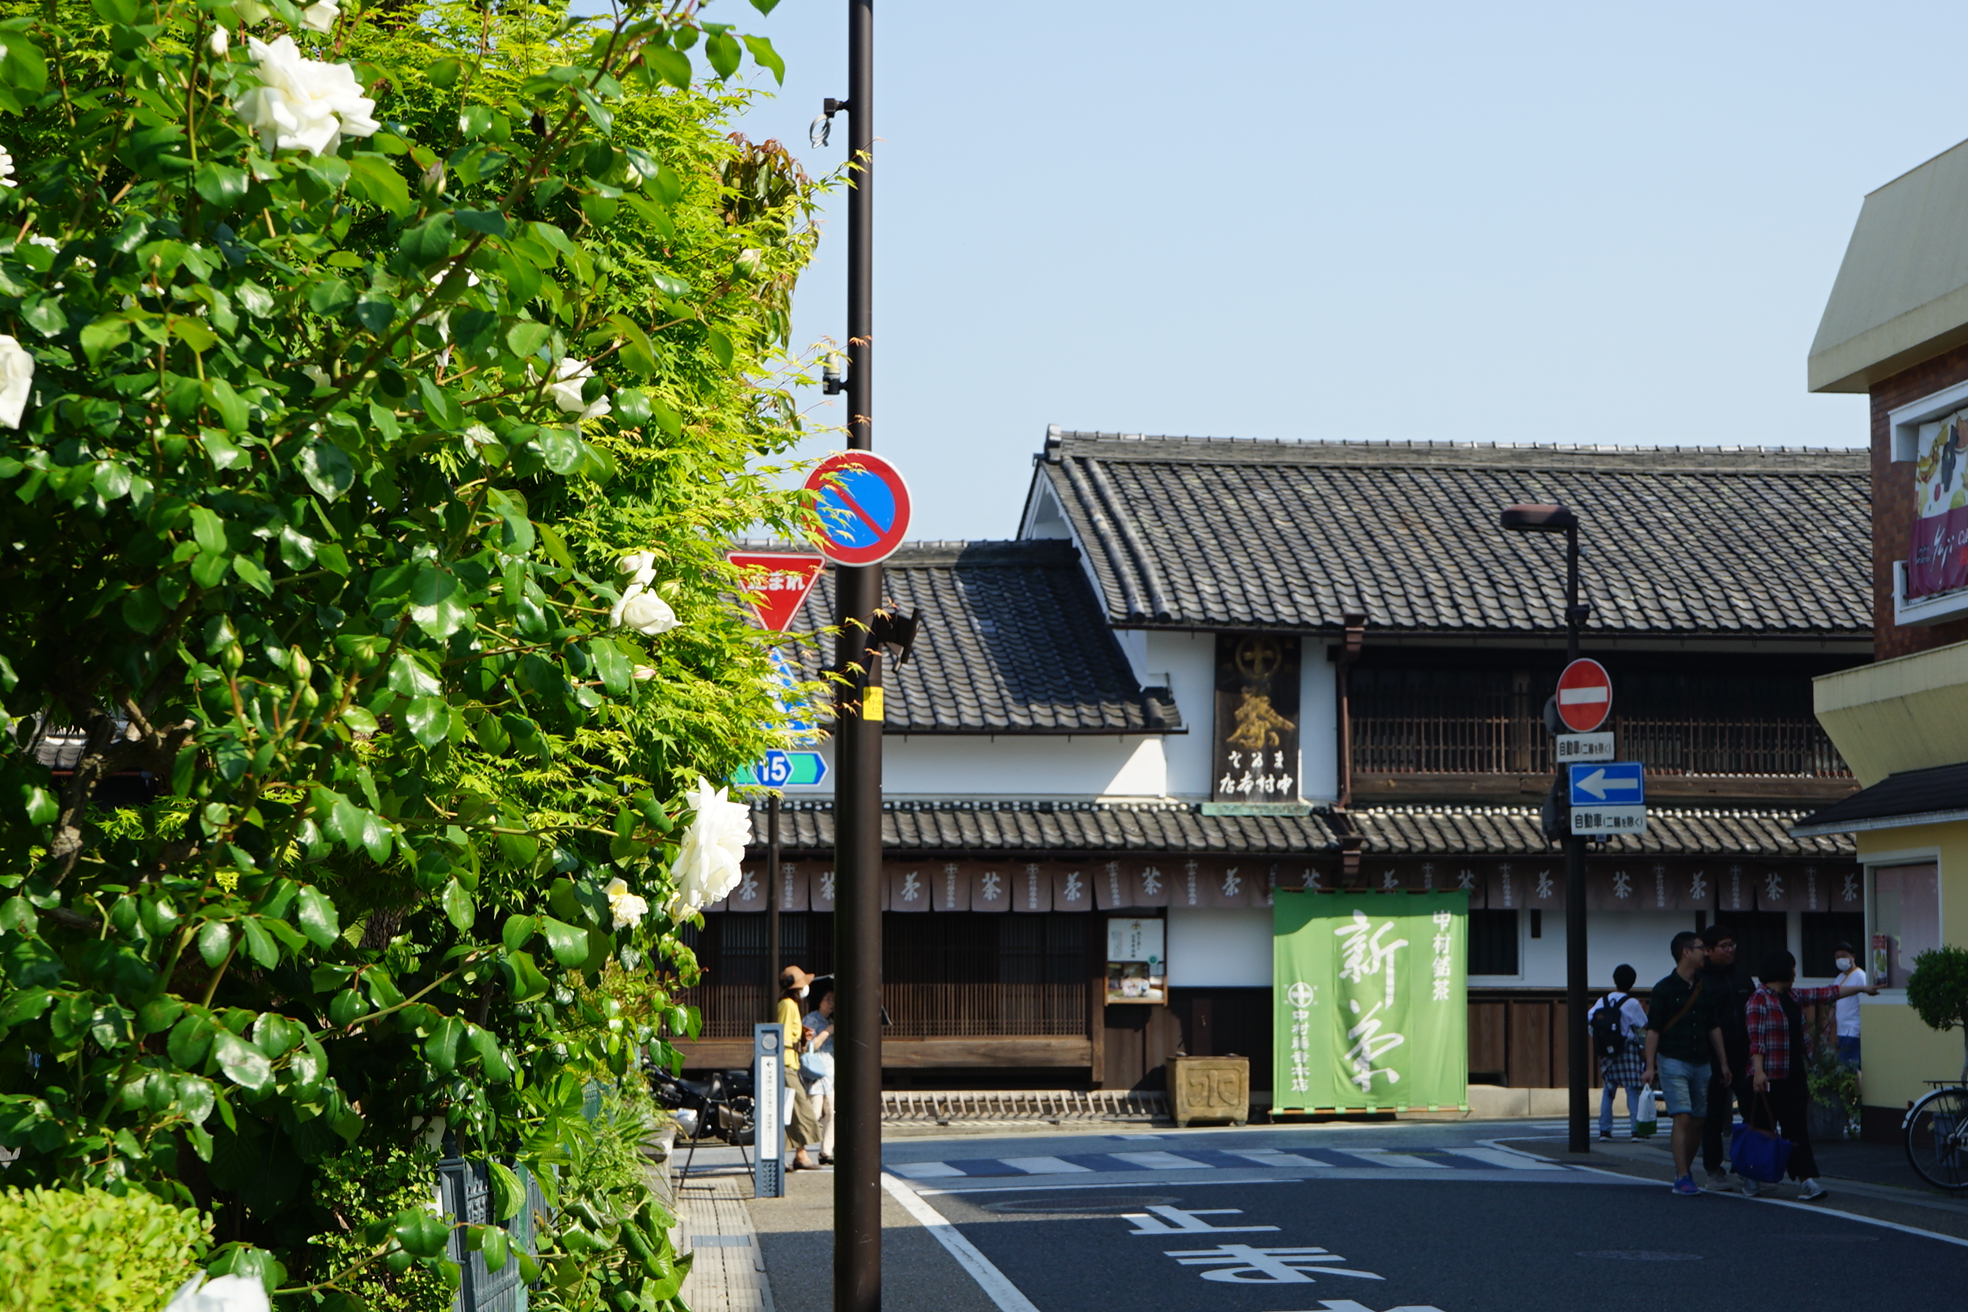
1759	1154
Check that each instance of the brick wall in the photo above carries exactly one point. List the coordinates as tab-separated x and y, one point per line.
1893	510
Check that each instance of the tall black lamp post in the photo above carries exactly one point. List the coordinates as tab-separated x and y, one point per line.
1560	519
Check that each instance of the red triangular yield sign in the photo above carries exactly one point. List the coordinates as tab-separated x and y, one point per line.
777	582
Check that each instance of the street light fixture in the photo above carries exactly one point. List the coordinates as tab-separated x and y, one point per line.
1561	519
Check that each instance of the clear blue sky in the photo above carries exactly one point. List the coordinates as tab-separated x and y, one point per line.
1503	222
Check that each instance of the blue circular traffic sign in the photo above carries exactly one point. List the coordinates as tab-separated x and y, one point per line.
860	508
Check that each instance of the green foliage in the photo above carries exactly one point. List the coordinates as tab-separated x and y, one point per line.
607	1196
316	519
1831	1081
356	1190
64	1249
1938	992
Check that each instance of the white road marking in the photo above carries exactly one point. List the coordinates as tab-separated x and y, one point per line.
991	1280
1044	1165
1396	1161
926	1170
1162	1161
1273	1157
1821	1210
1509	1160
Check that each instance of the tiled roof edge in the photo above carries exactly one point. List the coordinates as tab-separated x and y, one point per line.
1836	461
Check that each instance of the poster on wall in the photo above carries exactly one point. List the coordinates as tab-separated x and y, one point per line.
1937	558
1256	718
1370	999
1137	964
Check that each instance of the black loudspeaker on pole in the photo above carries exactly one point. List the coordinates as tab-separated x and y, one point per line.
857	749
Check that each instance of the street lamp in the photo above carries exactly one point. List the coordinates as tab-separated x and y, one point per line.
1561	519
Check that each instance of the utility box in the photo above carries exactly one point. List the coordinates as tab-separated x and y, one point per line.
1209	1089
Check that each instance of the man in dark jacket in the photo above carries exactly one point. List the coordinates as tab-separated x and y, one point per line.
1731	1003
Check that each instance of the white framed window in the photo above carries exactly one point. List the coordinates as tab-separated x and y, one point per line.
1903	918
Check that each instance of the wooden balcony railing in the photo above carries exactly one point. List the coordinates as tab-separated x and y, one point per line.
920	1011
1498	744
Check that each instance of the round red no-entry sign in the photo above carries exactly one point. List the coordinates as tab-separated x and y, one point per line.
860	508
1585	695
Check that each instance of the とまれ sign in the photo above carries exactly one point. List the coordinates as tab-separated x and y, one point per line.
1609	798
860	508
776	583
1585	695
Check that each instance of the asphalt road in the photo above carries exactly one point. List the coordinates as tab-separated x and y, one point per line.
1348	1218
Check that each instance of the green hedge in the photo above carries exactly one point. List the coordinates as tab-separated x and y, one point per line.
67	1249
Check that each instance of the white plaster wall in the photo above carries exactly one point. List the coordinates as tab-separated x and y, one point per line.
1219	947
1637	938
1009	765
1189	662
1318	724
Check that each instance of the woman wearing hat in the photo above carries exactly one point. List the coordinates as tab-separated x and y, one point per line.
801	1128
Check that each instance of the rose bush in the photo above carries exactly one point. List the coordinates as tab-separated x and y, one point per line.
342	764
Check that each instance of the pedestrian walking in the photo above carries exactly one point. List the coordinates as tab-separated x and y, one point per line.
1847	962
1618	1025
801	1128
1781	1095
818	1067
1731	1001
1683	1034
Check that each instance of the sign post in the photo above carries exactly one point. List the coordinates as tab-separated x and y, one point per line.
768	1120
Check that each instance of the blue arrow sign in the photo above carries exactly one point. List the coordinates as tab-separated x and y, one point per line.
783	770
1608	783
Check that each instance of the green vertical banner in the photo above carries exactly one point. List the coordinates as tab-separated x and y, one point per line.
1371	992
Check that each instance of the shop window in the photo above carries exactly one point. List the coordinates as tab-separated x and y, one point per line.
1823	932
1493	943
1904	912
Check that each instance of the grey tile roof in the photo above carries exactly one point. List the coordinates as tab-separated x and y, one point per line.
1678	540
1012	641
1937	793
1040	825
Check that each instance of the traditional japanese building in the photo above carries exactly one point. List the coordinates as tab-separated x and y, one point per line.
1207	670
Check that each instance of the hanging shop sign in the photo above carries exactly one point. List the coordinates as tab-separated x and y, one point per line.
1937	557
1137	962
1256	718
1370	998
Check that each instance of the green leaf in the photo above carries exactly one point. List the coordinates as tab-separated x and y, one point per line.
420	1233
670	65
42	808
766	56
192	332
526	337
562	449
490	222
443	409
208	530
765	6
375	179
508	1194
231	407
429	720
568	943
722	50
327	470
330	295
443	72
259	944
215	942
408	677
617	674
253	575
102	335
441	1048
527	981
458	906
242	1063
208	569
518	931
493	1248
220	184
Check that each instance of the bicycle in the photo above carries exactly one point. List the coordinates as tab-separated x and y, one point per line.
1936	1131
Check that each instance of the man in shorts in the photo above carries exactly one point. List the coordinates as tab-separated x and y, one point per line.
1684	1032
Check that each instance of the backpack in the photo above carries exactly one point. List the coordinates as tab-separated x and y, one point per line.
1609	1028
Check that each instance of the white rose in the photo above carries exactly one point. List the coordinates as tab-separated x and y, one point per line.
220	1294
566	390
640	566
218	43
643	611
6	168
305	104
321	17
627	908
16	381
644	673
713	848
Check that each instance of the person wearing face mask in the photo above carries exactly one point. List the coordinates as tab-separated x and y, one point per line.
1848	1008
801	1128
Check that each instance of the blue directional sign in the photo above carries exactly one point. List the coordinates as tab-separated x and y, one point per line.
783	770
1608	797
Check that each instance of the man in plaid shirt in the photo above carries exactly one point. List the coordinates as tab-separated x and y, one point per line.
1777	1059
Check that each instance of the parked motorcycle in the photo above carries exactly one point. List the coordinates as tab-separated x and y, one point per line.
719	1107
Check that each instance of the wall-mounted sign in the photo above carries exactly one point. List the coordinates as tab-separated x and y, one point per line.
1256	718
1937	558
1137	964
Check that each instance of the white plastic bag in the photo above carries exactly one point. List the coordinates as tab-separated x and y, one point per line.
1645	1116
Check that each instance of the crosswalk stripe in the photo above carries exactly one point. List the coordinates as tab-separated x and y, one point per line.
1509	1161
1393	1161
1287	1161
1160	1161
925	1170
1044	1165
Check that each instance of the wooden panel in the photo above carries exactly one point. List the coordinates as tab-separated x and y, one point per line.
923	1054
1561	1047
715	1054
1530	1046
1202	1033
1488	1027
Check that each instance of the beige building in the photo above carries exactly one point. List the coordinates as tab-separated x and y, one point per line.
1896	328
